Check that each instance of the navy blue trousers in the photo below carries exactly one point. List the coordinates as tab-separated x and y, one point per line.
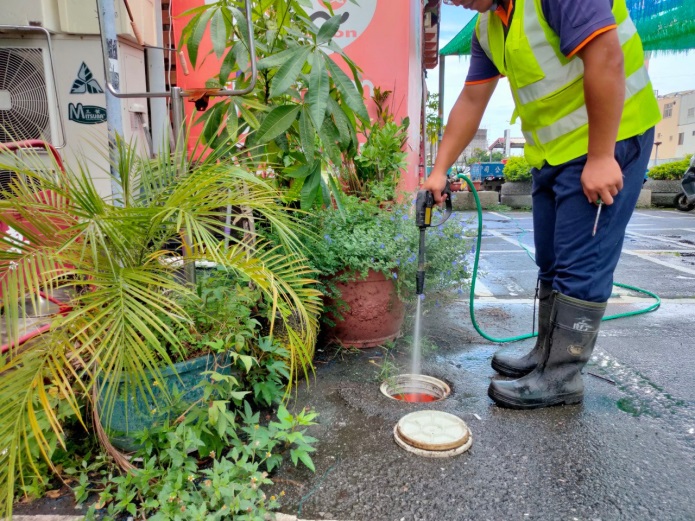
568	257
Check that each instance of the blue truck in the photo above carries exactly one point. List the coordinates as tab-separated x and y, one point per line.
490	175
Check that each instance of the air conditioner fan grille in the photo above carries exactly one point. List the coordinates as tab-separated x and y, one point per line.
23	81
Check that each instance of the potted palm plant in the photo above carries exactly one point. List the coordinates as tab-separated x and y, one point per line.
114	256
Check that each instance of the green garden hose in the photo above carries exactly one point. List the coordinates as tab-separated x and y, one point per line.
482	333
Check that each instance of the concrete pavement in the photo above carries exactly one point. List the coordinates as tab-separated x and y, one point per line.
628	452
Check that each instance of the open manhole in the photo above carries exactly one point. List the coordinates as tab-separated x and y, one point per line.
415	388
433	434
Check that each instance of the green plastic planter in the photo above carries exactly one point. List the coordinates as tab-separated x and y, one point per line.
132	414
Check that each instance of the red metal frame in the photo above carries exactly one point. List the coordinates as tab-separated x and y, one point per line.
63	308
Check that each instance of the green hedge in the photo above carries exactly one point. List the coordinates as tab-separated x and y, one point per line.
670	171
517	169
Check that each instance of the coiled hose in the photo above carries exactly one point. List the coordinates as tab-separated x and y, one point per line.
477	327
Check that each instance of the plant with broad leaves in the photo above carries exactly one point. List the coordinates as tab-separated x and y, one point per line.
212	463
303	113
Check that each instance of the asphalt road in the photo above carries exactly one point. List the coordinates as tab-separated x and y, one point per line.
628	452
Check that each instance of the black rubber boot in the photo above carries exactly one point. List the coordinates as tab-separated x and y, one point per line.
557	380
506	363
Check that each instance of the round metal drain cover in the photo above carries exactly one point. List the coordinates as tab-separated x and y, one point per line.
433	433
415	388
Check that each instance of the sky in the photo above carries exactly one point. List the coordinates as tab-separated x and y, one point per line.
669	73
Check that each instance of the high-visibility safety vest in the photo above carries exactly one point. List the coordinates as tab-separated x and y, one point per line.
548	88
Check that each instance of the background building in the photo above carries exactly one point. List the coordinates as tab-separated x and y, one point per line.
675	133
479	141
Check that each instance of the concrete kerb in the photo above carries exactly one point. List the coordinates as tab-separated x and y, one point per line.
278	517
466	201
46	518
645	199
285	517
663	192
517	194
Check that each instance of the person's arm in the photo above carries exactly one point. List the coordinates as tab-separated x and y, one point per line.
604	91
464	121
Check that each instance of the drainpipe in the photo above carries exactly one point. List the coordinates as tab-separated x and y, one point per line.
156	83
107	26
440	108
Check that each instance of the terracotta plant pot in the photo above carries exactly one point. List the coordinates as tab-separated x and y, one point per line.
374	315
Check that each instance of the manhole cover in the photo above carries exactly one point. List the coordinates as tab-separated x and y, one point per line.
415	388
433	434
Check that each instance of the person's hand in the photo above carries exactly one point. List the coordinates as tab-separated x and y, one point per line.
602	179
435	183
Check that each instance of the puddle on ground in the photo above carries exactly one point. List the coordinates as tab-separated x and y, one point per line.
643	397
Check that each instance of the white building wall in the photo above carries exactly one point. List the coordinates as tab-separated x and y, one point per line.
479	141
686	126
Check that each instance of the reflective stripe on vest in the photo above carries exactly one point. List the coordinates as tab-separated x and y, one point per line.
580	117
528	136
557	74
483	38
548	89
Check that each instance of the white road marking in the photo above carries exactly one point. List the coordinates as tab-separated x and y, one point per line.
659	239
496	252
656	229
641	252
512	241
661	263
481	290
649	215
500	215
659	252
514	289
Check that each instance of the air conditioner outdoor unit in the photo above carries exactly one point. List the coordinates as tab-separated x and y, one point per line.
28	101
54	90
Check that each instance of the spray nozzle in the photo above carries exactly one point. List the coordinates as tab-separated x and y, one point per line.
424	203
423	219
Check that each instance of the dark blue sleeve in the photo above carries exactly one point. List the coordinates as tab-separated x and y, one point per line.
576	20
482	69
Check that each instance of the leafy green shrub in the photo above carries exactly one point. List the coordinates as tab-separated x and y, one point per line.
382	159
517	169
211	463
303	109
221	309
670	171
361	236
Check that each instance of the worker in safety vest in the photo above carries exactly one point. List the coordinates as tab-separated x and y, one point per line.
588	110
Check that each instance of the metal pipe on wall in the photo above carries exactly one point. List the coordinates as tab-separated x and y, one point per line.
106	11
156	82
440	108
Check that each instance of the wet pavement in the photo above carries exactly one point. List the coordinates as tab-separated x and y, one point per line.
628	452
